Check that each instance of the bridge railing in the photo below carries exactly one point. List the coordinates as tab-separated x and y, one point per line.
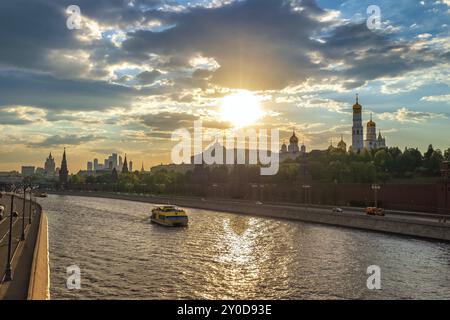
17	213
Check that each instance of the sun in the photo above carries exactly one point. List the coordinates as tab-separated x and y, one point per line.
241	109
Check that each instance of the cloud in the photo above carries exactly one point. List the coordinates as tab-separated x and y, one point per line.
25	88
148	77
442	98
271	44
168	121
67	140
405	115
242	37
253	44
21	115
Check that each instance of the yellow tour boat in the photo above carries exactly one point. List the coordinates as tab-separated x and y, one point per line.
169	216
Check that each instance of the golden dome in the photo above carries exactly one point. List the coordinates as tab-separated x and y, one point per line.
341	143
371	123
357	106
293	139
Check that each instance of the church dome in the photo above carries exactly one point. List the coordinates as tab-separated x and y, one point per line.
293	139
357	107
371	123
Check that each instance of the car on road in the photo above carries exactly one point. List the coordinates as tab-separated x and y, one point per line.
338	210
373	211
2	209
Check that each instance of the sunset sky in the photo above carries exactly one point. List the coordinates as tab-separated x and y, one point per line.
139	69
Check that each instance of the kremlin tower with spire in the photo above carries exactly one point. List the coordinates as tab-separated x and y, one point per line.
63	172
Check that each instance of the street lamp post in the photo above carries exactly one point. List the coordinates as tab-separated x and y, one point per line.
22	238
261	192
254	191
29	211
335	192
31	203
306	188
8	271
215	185
375	188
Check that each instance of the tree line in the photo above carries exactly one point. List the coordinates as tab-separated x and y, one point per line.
331	166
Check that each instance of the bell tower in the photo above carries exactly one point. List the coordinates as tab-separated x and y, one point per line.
357	129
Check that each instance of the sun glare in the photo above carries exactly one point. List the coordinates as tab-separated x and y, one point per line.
241	109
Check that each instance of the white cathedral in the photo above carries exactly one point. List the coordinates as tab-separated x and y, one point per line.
292	151
371	142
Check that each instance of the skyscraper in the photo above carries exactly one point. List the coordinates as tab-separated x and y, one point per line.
114	160
63	172
49	165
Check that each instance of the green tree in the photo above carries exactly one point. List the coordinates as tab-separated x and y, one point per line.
433	164
427	155
76	179
383	160
447	155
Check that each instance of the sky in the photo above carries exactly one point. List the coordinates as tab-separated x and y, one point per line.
136	70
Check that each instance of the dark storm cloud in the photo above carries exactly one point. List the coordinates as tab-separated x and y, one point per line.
370	55
168	121
256	42
259	44
28	29
46	91
148	77
57	140
264	44
119	12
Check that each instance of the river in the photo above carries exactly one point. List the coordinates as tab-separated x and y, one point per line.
230	256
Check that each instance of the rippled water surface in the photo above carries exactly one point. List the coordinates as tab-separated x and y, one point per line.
229	256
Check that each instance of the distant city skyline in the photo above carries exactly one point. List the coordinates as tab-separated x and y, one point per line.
113	87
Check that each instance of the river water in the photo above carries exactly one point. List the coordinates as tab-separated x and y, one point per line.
229	256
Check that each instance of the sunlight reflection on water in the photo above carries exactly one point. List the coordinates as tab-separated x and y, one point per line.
229	256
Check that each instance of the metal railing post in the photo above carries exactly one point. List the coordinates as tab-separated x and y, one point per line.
22	238
8	271
29	220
